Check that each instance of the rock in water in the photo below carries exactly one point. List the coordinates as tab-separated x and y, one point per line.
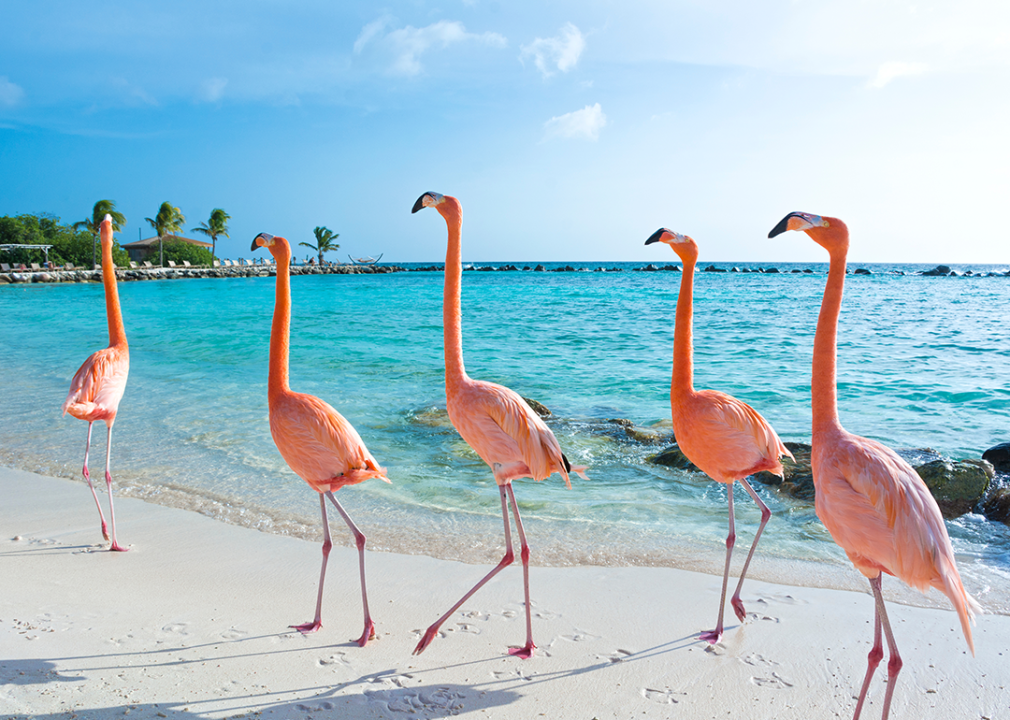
539	408
957	486
798	478
673	457
999	456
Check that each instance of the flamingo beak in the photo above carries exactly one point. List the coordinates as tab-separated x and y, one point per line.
266	238
797	221
656	236
428	199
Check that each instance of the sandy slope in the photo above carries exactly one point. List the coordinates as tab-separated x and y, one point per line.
192	623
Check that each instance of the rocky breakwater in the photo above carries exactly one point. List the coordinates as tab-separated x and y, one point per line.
959	486
179	273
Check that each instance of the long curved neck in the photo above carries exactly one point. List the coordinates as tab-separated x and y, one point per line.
280	331
823	388
683	352
452	314
117	331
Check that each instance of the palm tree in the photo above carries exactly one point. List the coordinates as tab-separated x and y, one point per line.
94	225
168	221
217	225
324	242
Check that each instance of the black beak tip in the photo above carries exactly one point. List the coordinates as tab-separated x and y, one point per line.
654	238
254	243
781	227
419	203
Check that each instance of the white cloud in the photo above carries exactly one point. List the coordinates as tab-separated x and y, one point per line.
10	94
406	45
212	89
561	52
891	70
582	124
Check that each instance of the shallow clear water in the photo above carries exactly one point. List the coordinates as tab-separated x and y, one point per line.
923	362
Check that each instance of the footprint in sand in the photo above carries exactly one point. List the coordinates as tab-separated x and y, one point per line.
509	614
178	628
234	634
441	700
511	674
580	636
663	697
616	656
476	615
758	660
339	659
775	681
466	628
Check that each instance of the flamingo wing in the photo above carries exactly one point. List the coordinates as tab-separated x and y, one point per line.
502	428
319	445
733	436
98	385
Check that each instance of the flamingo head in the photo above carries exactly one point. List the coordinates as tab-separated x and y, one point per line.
105	229
447	206
277	245
828	232
683	245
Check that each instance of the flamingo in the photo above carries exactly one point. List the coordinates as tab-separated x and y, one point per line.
726	438
98	385
873	503
495	421
317	443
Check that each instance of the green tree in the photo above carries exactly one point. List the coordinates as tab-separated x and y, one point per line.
324	242
68	245
178	250
94	225
216	226
168	221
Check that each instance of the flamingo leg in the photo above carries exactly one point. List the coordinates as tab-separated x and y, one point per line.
526	651
115	547
765	516
894	659
311	627
359	540
713	636
509	556
87	476
876	652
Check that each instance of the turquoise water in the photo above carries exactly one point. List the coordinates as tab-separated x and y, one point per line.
923	362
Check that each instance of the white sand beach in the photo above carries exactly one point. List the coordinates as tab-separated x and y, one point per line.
192	623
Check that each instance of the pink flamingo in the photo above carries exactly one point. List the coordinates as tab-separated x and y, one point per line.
317	443
727	439
871	501
98	385
496	422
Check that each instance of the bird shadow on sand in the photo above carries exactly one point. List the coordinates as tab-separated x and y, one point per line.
32	672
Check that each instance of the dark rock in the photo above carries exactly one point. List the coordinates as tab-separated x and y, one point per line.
957	486
672	268
539	268
795	270
772	270
538	408
673	457
734	269
863	271
650	268
808	271
938	271
797	478
997	506
999	456
713	268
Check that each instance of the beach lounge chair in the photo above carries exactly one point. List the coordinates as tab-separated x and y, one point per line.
36	268
5	267
171	263
148	265
249	263
185	263
217	263
133	265
69	266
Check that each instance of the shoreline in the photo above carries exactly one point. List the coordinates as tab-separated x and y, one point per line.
191	623
266	270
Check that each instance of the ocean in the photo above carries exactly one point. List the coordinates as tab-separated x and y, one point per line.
923	363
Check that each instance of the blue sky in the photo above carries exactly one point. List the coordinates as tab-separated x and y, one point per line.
569	130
